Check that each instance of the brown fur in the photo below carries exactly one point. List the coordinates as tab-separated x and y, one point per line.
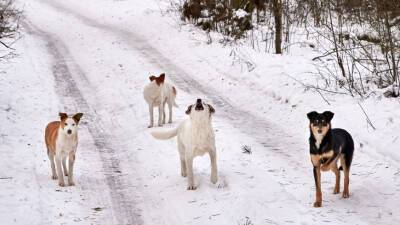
159	80
51	132
314	129
174	91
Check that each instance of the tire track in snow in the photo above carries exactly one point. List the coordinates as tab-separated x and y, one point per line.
123	205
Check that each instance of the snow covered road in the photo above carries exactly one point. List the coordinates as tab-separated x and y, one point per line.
80	63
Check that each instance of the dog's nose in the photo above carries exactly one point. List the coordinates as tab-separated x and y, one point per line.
319	131
198	101
69	131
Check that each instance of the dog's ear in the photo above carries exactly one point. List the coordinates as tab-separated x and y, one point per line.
188	109
212	110
77	117
161	78
63	116
312	115
152	78
328	115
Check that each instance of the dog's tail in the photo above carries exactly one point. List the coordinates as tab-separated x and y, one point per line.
163	135
174	93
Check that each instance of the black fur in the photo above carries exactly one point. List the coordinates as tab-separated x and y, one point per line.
338	140
336	143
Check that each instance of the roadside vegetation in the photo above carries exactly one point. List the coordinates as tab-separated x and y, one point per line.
359	40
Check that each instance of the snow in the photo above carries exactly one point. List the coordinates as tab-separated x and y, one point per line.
95	57
240	13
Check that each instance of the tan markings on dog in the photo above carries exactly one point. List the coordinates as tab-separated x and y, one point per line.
152	78
174	91
316	159
328	154
319	136
346	177
51	132
51	135
318	192
336	171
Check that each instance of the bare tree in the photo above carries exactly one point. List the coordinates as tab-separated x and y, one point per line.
277	10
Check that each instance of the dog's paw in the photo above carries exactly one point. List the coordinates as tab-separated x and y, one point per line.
214	179
61	184
191	187
170	121
317	204
150	126
183	174
345	194
336	191
54	177
66	174
71	183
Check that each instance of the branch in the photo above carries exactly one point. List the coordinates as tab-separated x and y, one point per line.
368	120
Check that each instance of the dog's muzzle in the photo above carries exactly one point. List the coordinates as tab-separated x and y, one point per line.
199	105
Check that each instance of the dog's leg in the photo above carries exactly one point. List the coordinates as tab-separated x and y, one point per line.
64	165
335	170
170	112
59	169
163	109
317	178
346	193
183	160
151	115
183	167
189	170
53	166
346	172
214	172
71	161
160	114
164	112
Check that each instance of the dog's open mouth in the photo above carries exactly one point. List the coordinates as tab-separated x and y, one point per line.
199	107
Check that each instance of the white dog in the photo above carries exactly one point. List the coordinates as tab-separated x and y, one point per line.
61	141
157	94
195	138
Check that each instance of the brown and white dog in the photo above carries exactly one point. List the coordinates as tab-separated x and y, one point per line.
195	138
157	94
61	141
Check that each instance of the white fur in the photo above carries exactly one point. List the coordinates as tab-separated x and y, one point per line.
195	138
66	145
157	96
318	139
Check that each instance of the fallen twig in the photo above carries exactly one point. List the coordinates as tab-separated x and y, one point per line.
368	120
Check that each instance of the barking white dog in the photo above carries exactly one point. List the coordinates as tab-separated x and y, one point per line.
157	94
61	141
195	138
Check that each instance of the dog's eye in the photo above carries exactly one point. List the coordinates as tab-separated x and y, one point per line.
73	124
66	124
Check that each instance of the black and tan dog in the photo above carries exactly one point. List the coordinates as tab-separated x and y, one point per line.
326	147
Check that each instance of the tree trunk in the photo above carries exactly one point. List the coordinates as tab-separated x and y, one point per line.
277	8
392	52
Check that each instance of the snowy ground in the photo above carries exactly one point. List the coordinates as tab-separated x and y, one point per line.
95	57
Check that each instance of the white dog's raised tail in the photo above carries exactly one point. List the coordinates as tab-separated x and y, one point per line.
163	135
